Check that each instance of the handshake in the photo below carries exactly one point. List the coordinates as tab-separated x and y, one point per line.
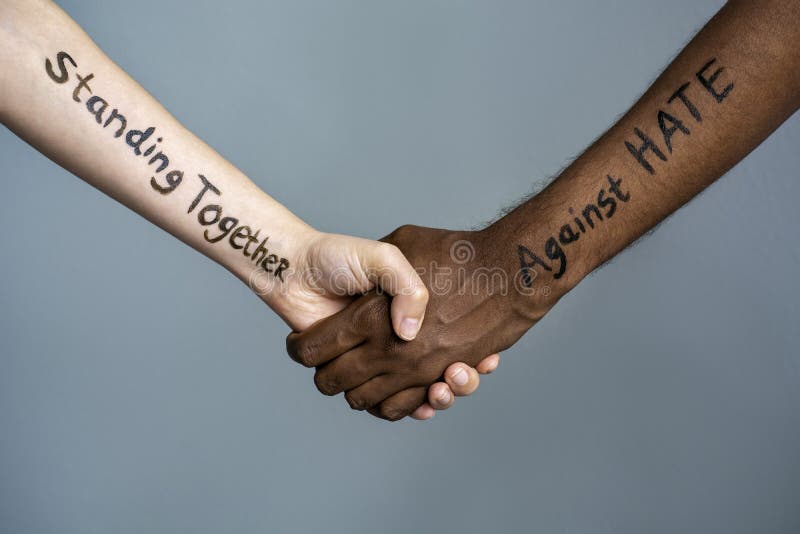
403	326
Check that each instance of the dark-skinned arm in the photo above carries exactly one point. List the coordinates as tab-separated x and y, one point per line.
730	88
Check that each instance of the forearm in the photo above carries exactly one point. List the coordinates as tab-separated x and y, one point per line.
71	102
608	197
689	128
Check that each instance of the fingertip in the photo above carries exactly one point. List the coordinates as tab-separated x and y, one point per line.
408	328
423	413
408	312
489	364
462	379
387	267
440	397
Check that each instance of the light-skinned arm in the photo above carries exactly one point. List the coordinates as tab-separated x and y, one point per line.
65	97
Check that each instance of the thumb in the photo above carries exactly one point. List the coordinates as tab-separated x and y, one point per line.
388	269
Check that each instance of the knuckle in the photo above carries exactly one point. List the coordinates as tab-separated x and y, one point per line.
391	412
326	384
298	350
401	233
421	293
356	401
389	250
304	354
291	344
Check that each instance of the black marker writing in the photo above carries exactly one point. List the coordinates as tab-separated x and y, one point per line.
147	144
584	221
669	124
647	152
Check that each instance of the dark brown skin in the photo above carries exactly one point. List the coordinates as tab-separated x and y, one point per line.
729	89
460	325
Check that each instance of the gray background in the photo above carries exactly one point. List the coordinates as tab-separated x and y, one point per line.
143	389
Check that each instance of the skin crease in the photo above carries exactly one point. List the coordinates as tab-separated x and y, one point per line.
741	78
66	98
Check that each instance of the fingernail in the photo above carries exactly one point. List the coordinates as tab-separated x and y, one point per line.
460	377
409	328
444	397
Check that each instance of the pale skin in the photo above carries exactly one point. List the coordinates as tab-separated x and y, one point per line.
46	99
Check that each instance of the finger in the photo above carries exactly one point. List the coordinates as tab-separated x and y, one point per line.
462	379
400	404
389	269
373	392
488	364
423	413
440	397
349	371
330	337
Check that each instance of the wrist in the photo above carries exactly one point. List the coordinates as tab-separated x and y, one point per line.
538	267
266	253
483	267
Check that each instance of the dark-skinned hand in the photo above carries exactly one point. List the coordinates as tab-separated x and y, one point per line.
476	308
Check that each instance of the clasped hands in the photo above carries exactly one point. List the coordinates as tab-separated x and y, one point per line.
475	307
